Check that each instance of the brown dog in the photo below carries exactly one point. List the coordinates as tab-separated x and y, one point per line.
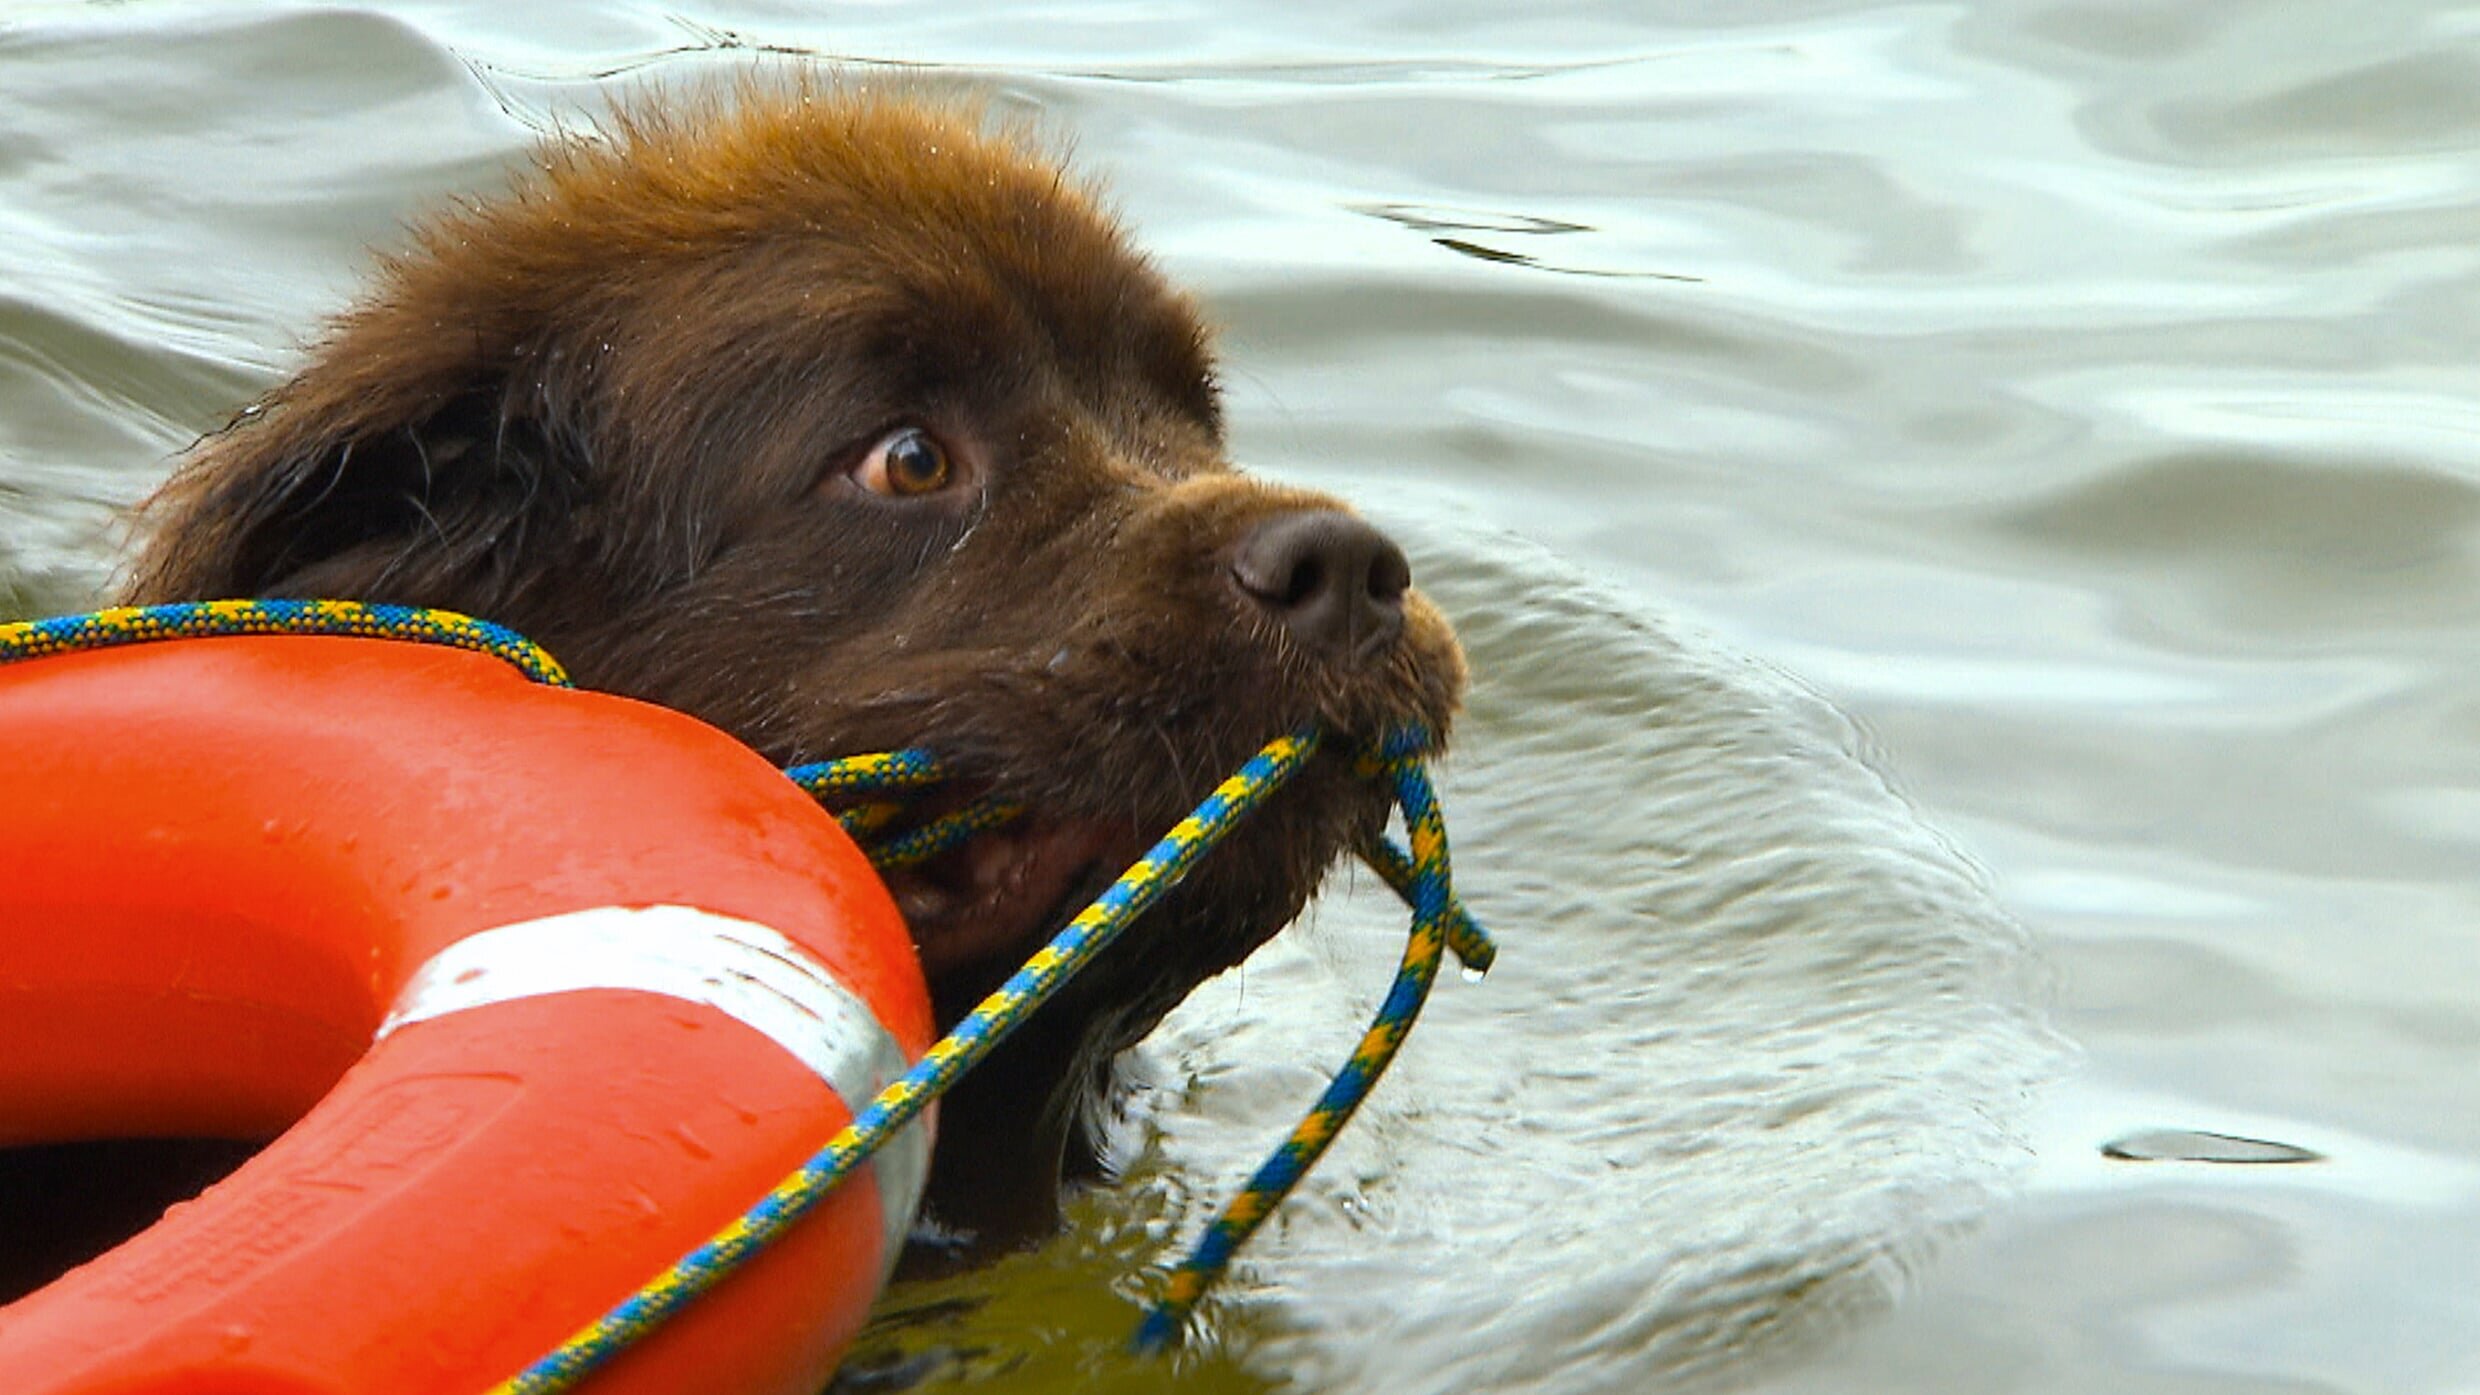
845	425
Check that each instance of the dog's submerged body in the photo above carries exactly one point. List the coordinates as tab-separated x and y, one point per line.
846	425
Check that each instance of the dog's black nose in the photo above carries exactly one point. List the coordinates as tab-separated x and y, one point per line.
1335	582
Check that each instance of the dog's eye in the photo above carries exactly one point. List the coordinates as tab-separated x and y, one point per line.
907	462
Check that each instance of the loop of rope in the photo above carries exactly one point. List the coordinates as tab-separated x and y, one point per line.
1422	877
1466	940
1435	916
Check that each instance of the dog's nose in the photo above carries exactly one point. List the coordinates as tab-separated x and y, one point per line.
1335	582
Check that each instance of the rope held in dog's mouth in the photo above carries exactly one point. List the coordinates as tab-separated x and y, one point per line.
1421	877
1424	880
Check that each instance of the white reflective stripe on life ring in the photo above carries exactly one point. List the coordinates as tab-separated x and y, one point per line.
747	971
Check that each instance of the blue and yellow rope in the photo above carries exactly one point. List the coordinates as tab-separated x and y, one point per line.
108	629
1421	876
941	834
1095	927
1437	921
1466	940
880	772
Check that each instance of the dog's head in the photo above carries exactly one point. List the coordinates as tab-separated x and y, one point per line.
846	425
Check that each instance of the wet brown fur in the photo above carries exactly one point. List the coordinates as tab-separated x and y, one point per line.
616	408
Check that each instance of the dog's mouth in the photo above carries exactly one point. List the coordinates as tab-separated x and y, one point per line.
1005	889
977	909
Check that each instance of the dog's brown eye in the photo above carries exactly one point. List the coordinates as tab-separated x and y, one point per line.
908	462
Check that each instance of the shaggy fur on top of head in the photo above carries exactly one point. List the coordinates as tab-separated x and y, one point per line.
642	407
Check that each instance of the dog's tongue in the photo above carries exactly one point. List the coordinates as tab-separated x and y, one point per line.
997	894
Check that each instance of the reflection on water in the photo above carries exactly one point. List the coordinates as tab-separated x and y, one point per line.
2078	393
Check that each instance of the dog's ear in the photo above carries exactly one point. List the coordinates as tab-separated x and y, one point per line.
350	484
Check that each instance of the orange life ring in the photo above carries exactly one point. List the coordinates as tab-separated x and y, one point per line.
540	987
